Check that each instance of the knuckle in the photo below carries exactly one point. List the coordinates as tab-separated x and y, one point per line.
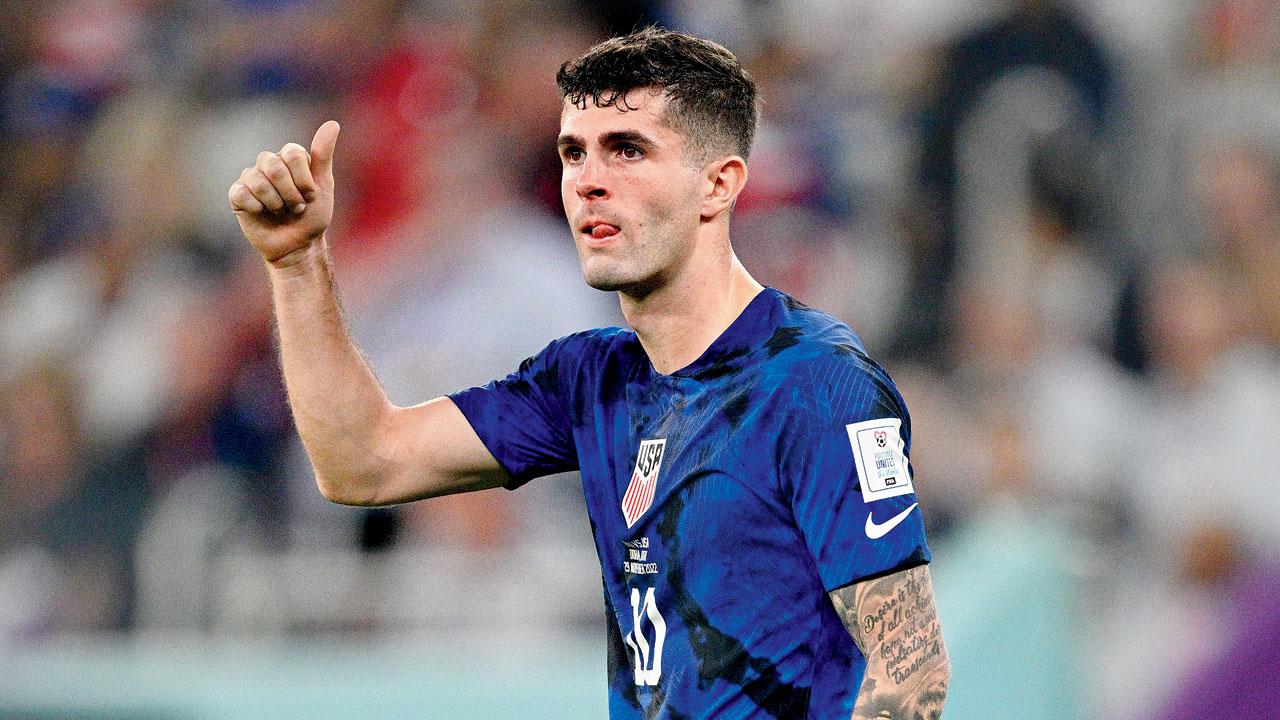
275	169
242	199
265	194
257	183
293	151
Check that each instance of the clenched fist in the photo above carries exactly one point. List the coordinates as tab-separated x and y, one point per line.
285	201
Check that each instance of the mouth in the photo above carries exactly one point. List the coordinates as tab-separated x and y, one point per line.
598	232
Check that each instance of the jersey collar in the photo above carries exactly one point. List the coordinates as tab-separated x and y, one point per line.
749	331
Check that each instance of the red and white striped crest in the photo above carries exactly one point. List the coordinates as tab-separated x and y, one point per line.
644	480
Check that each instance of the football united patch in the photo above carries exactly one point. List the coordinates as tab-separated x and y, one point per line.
878	453
644	480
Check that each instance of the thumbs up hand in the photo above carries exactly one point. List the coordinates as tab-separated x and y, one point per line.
284	203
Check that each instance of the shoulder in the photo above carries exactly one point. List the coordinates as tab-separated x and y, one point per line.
567	362
829	369
593	344
559	373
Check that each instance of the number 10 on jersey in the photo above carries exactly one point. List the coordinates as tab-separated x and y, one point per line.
646	660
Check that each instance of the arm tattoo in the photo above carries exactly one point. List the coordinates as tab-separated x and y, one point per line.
894	621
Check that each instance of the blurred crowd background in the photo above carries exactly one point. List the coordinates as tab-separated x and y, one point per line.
1057	224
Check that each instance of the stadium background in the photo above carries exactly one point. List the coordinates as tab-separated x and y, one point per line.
1056	223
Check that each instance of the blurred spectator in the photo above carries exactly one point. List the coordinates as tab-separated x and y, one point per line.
69	516
1215	423
998	92
1206	510
1239	186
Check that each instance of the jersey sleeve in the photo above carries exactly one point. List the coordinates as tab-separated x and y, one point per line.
524	419
843	461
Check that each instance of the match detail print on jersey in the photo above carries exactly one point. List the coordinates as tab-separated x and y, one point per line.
878	452
644	480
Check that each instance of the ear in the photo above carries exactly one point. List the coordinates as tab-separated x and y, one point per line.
722	180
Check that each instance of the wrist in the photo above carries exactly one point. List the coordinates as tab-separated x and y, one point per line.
301	261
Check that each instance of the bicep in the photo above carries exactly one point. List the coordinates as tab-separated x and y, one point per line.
436	452
894	621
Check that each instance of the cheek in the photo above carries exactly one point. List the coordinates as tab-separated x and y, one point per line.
676	203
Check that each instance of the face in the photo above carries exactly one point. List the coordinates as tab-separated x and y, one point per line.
629	192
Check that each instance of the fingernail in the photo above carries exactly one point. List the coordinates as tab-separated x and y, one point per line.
299	208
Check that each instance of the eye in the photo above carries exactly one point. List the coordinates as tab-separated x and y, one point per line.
631	152
572	154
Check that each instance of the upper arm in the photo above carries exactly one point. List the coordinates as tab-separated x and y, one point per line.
894	621
525	420
419	452
436	452
845	473
499	434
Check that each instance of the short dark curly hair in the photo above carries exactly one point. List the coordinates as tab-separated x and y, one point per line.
711	99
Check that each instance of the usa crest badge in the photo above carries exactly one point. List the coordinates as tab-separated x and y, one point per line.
644	480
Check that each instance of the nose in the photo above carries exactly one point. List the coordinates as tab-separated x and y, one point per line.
590	184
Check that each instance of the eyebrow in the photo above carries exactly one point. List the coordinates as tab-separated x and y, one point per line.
616	137
566	140
619	137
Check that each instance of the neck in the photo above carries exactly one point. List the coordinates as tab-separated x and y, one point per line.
678	321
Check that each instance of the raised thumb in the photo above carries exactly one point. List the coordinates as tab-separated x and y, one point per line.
322	145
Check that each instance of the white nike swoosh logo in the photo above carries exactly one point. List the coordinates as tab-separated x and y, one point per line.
875	532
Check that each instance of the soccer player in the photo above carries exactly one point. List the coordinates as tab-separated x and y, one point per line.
744	461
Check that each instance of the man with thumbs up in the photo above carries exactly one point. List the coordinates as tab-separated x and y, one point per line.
744	461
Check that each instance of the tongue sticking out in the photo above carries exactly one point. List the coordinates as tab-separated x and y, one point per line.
603	231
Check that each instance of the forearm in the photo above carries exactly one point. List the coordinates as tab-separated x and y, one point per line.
340	410
878	700
365	451
894	621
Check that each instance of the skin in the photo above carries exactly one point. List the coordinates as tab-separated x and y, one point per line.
678	281
364	449
679	285
894	622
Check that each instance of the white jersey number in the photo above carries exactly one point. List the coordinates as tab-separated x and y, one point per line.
647	662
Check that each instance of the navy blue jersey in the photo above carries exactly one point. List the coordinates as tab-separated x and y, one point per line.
726	500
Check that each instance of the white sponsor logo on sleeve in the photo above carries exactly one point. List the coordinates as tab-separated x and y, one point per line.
876	531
